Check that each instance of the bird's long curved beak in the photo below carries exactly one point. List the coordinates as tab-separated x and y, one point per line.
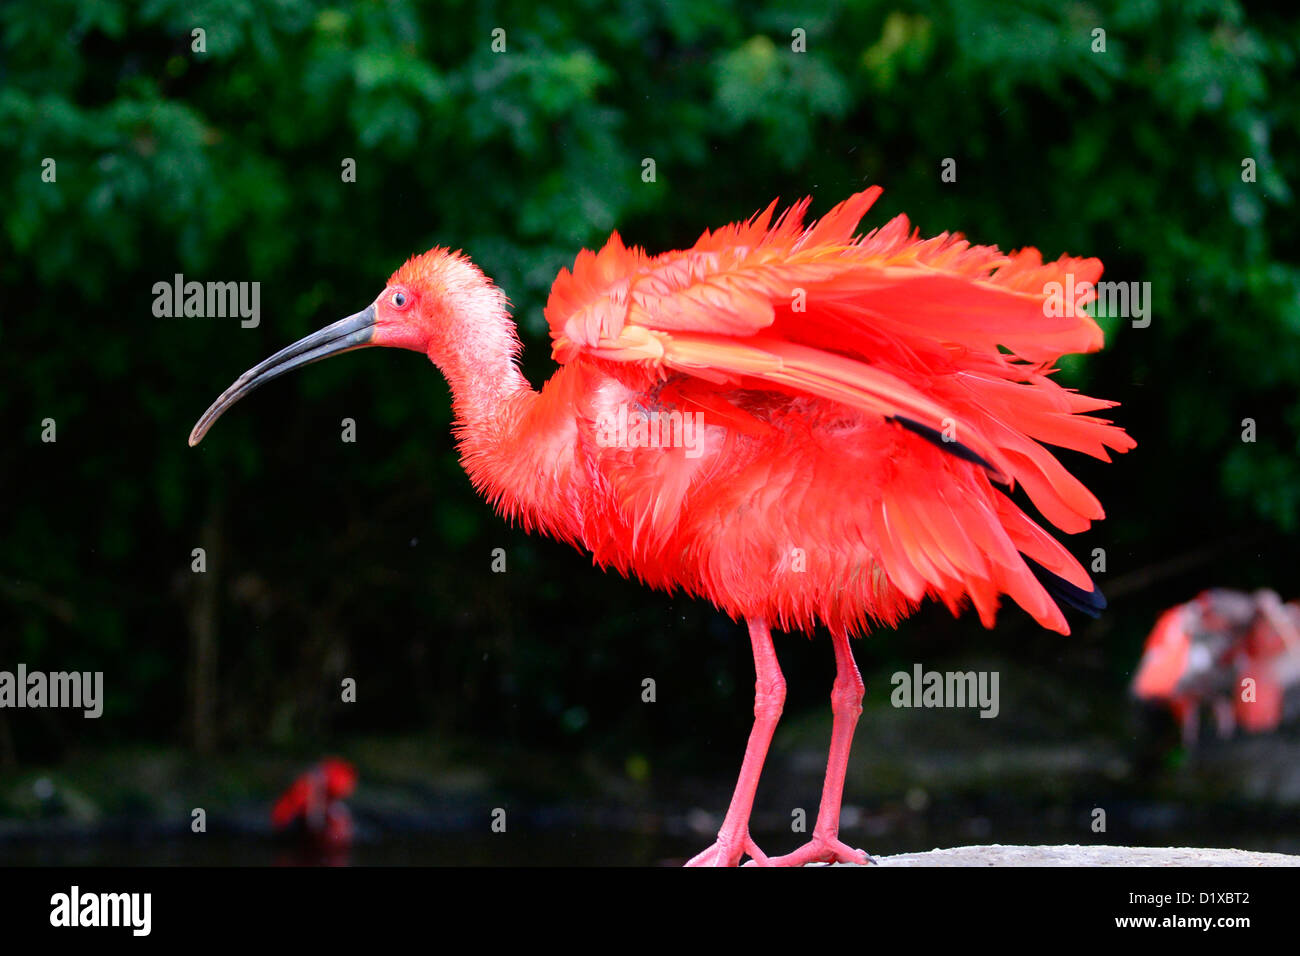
345	335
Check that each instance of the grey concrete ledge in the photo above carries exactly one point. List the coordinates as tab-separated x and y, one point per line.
999	855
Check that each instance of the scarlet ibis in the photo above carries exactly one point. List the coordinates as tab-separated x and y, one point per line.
1201	652
798	425
314	802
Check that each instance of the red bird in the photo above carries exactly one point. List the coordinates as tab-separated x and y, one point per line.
315	802
798	425
1204	650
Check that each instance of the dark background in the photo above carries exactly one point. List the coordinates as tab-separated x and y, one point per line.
371	559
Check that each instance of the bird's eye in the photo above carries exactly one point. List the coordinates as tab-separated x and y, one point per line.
399	299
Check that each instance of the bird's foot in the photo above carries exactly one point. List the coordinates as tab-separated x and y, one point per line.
822	849
729	850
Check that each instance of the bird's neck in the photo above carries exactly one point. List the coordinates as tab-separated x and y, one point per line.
517	444
484	385
476	347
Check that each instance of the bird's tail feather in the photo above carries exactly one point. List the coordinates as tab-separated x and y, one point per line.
1065	594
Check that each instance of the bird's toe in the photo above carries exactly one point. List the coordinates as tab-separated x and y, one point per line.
824	850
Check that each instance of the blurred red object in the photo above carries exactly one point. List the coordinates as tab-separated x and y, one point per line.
314	804
1237	651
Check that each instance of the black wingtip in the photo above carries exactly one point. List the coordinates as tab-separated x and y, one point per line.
939	440
1065	594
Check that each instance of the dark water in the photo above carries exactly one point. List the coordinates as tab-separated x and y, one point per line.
584	847
911	796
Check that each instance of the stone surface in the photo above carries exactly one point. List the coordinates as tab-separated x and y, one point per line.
999	855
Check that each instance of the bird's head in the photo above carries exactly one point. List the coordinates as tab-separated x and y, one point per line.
438	303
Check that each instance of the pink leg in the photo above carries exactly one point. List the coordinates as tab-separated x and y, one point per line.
769	698
846	706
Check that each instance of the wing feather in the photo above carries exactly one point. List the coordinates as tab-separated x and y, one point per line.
947	337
